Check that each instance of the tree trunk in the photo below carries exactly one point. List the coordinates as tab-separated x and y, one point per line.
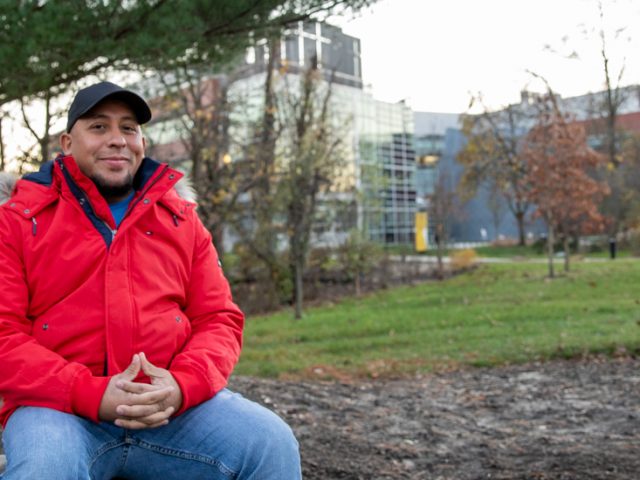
217	235
550	241
44	147
298	289
439	255
576	242
567	253
521	234
262	194
358	284
384	284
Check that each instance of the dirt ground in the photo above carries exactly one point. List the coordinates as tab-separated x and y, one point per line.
577	419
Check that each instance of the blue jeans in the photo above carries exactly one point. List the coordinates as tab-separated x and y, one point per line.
227	437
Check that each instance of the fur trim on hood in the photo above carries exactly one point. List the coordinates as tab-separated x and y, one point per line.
184	189
8	182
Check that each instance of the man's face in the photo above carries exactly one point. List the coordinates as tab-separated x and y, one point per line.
108	147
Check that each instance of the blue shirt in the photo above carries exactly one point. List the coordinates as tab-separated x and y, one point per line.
118	209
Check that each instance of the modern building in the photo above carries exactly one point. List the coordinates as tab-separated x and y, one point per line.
380	168
377	183
483	218
306	43
486	216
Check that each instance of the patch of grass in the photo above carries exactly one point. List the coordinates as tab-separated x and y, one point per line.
509	251
496	314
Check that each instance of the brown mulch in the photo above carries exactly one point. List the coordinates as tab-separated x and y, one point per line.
574	419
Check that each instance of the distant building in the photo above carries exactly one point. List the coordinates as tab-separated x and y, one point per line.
430	130
438	140
485	218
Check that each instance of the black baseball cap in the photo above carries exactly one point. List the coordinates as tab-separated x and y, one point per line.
89	97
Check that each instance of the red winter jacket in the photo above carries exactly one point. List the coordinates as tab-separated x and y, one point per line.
79	299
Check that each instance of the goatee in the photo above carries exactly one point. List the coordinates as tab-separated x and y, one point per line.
111	192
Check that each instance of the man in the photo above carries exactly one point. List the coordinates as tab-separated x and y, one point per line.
117	328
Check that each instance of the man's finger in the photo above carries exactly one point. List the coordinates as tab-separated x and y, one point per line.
137	425
135	387
149	368
133	369
140	412
148	395
154	420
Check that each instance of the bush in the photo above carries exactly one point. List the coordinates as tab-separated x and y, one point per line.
359	255
323	259
463	259
540	245
596	248
632	242
255	287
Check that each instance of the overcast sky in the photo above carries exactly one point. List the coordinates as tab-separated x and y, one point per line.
436	53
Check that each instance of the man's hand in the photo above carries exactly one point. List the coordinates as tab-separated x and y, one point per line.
137	405
145	416
161	378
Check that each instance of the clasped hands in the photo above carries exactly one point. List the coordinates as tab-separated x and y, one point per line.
135	405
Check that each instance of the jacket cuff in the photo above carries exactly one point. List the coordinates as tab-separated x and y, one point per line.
86	395
196	388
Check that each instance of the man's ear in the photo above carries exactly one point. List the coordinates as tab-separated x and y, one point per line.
65	143
144	143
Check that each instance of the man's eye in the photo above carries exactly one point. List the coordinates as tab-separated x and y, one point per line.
129	128
97	126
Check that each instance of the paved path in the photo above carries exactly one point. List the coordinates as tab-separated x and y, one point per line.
432	259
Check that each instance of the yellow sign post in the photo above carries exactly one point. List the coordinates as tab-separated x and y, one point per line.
422	232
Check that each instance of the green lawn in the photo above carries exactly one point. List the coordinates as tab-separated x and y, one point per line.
503	313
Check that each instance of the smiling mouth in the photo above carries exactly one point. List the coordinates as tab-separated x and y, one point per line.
115	164
114	159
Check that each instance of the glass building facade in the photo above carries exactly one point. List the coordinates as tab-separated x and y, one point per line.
378	176
382	164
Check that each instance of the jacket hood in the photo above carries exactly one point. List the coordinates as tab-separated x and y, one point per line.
7	182
183	188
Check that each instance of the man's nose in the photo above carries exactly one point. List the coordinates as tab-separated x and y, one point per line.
118	140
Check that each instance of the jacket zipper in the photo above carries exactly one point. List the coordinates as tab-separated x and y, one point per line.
112	230
113	234
143	193
83	199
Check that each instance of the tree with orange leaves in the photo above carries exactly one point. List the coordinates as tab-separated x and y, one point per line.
558	164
